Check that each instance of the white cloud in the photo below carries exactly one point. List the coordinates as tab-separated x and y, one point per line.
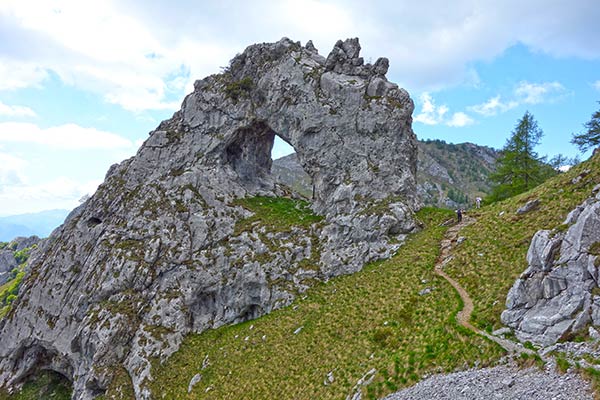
535	93
18	74
460	119
16	111
69	136
432	114
596	84
127	52
11	170
493	106
59	193
524	93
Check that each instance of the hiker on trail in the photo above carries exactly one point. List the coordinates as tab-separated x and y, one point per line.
478	202
459	215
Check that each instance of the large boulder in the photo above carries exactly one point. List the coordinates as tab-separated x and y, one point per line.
159	251
557	295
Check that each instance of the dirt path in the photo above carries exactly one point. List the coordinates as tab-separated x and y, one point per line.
463	317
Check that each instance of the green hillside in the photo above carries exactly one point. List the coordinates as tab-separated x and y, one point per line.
375	326
375	319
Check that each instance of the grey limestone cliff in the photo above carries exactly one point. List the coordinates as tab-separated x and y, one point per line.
160	250
558	293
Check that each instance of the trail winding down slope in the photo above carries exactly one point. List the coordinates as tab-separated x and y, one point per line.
463	317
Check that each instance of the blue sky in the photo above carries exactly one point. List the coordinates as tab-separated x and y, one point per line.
82	83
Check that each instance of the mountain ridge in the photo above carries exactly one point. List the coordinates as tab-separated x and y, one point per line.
448	175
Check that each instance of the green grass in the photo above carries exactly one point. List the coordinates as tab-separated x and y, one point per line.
47	385
10	289
276	213
494	254
562	364
371	319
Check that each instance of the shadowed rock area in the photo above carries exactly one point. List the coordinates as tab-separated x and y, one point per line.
168	246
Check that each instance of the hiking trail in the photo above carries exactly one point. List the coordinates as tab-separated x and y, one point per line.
463	317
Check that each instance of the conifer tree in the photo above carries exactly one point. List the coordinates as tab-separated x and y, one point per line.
519	168
591	137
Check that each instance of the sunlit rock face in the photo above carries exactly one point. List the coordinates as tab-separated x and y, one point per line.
558	293
161	249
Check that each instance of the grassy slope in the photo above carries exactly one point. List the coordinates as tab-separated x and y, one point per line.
372	319
344	321
47	385
493	255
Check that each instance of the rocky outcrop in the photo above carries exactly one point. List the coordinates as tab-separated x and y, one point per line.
558	294
167	245
9	255
448	175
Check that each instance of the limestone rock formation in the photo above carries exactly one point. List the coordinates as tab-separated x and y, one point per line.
165	246
448	175
558	293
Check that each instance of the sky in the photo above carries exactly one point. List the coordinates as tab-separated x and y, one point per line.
82	83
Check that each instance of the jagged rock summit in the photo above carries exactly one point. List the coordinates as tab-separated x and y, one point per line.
557	295
167	245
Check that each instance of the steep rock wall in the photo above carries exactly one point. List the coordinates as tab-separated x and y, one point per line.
159	251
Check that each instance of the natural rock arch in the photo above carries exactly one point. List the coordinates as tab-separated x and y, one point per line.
159	244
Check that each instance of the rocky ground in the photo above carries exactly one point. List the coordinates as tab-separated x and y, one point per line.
501	382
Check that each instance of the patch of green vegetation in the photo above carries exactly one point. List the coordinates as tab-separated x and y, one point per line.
45	385
371	319
530	360
378	206
10	289
562	364
593	376
235	90
529	345
174	136
492	259
121	387
276	213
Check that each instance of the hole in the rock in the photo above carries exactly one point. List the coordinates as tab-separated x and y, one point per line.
93	221
249	153
259	155
286	169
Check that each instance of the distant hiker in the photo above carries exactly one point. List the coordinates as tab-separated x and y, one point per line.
459	215
478	202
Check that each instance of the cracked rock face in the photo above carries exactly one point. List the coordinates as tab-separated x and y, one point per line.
158	251
558	293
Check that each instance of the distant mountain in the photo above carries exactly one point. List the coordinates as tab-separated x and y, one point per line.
452	175
40	224
288	171
448	175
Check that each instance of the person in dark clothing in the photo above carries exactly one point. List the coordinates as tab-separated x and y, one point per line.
459	215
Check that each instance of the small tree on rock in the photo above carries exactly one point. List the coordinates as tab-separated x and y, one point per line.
591	137
519	168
